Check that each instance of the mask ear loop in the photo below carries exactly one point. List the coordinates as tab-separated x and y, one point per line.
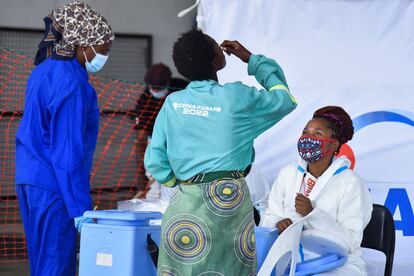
327	150
85	55
93	49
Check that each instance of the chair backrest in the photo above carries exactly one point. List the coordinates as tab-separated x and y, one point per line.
284	250
380	235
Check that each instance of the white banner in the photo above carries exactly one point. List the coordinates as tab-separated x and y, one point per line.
356	54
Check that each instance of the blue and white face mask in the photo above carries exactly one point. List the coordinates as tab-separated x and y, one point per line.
97	62
158	94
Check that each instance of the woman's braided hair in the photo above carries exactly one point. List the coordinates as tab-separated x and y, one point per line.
339	121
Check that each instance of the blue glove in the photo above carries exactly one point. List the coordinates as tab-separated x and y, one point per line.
81	220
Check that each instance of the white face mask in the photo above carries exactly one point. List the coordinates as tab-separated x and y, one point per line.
97	62
159	94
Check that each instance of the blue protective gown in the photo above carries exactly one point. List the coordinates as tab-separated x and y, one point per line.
210	127
55	143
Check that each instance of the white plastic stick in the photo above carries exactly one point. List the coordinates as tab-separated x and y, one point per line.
184	12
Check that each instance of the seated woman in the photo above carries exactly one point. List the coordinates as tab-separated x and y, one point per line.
323	188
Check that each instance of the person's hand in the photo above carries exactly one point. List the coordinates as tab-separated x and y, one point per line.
140	195
78	221
303	205
235	48
283	224
151	179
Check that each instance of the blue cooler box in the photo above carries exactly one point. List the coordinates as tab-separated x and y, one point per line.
117	243
265	237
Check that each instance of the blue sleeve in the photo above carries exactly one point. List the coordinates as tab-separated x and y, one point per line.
68	116
156	160
269	105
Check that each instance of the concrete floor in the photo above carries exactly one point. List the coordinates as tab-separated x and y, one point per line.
14	269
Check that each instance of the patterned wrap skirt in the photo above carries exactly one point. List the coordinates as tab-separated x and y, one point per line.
208	229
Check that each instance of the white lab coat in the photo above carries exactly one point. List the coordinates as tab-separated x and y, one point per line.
342	207
259	189
160	192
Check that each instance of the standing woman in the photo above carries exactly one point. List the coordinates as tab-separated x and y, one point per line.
203	142
322	188
57	136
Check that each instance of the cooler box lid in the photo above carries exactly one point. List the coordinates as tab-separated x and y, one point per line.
123	217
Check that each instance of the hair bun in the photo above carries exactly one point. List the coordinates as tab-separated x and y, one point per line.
339	120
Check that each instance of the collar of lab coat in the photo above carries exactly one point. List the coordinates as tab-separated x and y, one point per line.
339	164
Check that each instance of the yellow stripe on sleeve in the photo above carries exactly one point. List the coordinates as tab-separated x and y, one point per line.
283	87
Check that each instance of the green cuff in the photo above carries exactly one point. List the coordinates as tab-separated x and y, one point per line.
171	183
279	86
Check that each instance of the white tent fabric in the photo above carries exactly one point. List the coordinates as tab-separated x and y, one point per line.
358	54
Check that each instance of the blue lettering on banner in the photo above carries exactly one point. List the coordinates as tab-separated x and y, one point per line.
399	197
396	197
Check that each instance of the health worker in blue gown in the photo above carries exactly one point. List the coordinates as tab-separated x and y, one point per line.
57	136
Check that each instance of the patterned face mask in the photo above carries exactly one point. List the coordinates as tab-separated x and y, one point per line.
312	149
